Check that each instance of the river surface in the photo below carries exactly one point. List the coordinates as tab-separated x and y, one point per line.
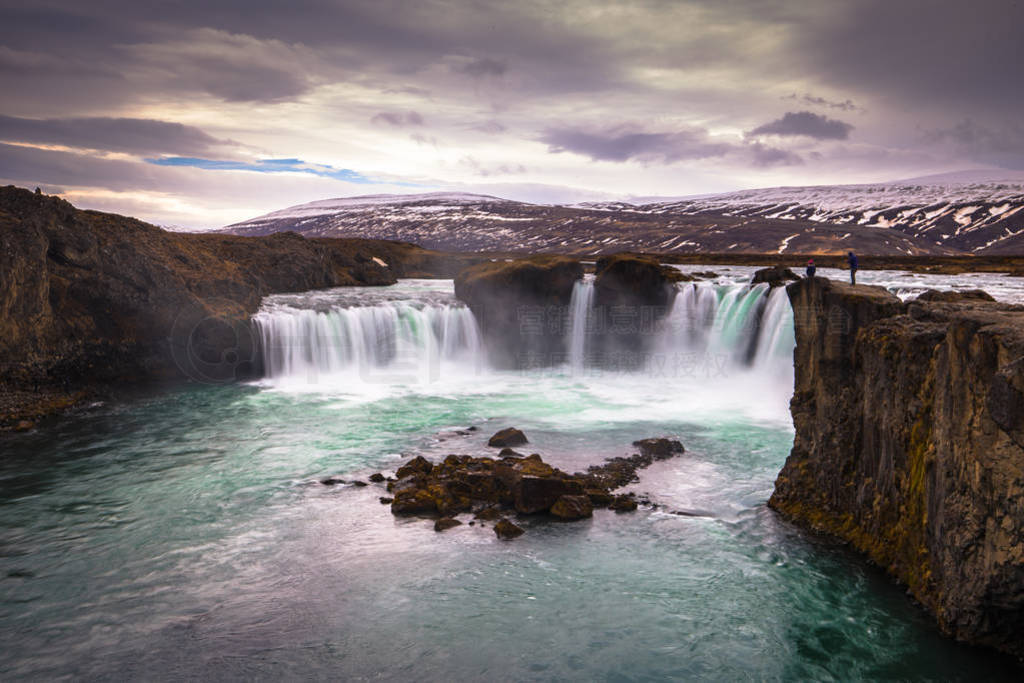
186	535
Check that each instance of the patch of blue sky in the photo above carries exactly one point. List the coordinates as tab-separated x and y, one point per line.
275	166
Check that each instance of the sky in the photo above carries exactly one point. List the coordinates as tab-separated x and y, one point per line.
199	113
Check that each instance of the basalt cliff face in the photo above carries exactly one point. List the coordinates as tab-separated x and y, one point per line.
521	306
88	298
910	445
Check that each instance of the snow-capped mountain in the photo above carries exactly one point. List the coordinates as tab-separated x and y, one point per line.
979	212
958	213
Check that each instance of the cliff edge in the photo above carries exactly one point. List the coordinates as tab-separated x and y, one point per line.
909	444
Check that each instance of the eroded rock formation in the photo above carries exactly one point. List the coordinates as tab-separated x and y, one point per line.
520	306
910	445
631	294
775	276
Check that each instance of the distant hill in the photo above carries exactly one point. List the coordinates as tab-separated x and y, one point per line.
976	212
460	222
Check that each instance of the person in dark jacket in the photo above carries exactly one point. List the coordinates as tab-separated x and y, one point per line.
851	258
811	268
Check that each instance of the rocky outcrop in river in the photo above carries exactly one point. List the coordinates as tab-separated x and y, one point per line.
910	445
89	298
520	306
513	484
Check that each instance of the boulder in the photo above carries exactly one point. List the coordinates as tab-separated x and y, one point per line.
599	497
489	513
446	523
376	477
418	465
332	481
506	438
506	530
519	305
969	295
775	276
537	494
412	502
623	504
659	449
572	507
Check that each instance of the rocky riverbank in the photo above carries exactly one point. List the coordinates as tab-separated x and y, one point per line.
909	444
90	300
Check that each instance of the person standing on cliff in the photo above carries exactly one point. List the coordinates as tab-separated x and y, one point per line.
851	258
811	268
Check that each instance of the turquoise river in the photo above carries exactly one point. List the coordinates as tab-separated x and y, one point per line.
185	534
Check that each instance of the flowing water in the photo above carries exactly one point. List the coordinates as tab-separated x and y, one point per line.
186	535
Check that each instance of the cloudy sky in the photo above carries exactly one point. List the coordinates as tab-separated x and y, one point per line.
198	113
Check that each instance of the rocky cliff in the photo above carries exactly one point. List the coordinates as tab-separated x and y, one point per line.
88	298
521	306
910	445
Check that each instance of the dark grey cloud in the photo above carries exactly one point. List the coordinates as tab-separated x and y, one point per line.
265	51
484	66
765	156
844	105
247	83
133	136
34	166
807	124
398	118
663	148
485	170
957	55
998	146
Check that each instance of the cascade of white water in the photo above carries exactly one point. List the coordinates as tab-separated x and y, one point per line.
579	317
361	341
740	324
775	345
735	325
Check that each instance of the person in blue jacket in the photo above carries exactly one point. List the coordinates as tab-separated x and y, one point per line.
811	268
851	258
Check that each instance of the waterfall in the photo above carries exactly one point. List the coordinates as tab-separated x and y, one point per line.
579	320
423	335
734	325
402	340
